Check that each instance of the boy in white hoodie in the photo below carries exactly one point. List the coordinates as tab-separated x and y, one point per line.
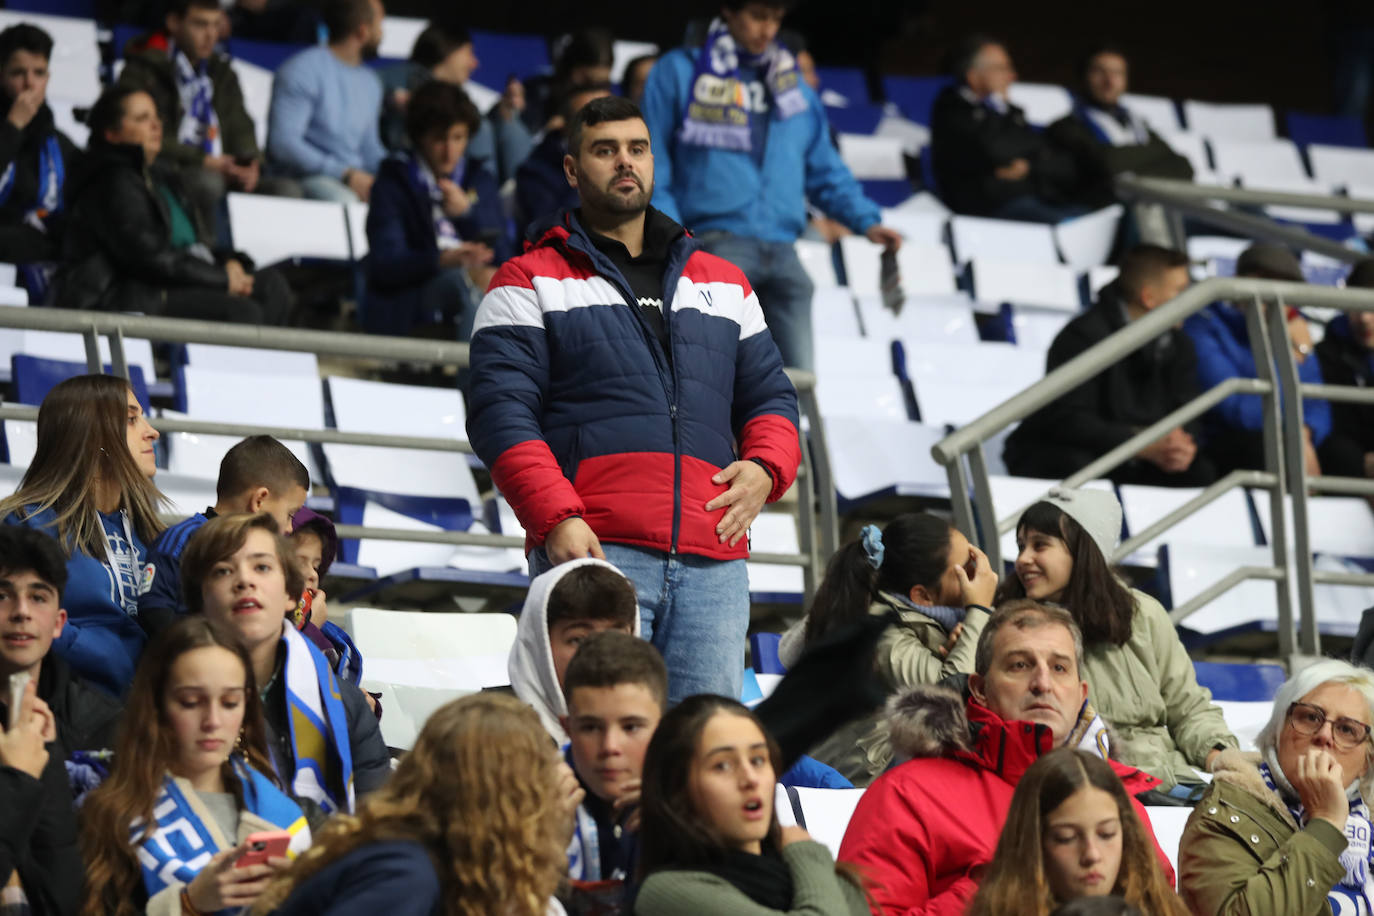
563	607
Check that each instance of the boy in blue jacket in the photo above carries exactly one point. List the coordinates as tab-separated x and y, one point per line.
742	143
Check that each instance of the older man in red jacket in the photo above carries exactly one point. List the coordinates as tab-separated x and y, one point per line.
925	830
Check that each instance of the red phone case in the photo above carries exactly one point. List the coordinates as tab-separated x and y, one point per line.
263	846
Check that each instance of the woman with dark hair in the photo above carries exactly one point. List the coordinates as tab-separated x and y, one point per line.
1140	677
1072	832
133	243
710	839
191	781
90	485
435	226
940	587
474	822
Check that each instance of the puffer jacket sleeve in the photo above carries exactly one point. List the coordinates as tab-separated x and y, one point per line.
1219	873
1194	721
905	660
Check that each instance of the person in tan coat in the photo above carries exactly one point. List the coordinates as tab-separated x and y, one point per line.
1287	831
940	587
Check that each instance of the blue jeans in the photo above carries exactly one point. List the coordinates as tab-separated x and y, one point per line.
782	285
694	610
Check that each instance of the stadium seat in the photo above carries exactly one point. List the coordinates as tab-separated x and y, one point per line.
1159	112
1229	122
1035	328
918	227
1003	240
833	313
1024	283
1240	682
1193	147
1331	130
872	157
623	51
846	82
925	269
268	55
72	348
1086	241
1098	277
33	377
271	230
256	83
480	565
772	583
356	215
957	384
1341	525
1337	166
188	495
923	319
64	119
21	441
914	95
871	457
1224	522
818	260
238	359
763	653
1168	822
74	69
826	812
366	406
1043	103
858	118
886	192
399	34
872	397
1193	567
505	53
1272	165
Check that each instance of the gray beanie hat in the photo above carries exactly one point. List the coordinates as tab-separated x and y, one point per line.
1097	512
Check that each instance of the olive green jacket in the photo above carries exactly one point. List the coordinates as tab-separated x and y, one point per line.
1242	853
1165	722
907	655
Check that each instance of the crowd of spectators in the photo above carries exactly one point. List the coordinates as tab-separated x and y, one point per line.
185	730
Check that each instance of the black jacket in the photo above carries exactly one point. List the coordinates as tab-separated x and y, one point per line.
1362	651
87	717
117	249
22	148
38	837
1097	163
969	141
1345	361
1104	412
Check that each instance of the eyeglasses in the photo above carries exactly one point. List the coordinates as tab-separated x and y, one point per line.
1345	732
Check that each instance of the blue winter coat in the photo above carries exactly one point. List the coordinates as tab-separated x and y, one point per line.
1222	343
395	877
709	189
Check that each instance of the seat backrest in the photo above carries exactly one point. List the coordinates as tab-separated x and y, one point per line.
827	813
356	214
870	456
1257	162
848	82
216	358
1336	165
415	635
1045	285
763	653
1099	277
1086	241
1238	681
1036	328
247	397
873	157
1043	103
34	377
522	56
1195	567
1168	822
1002	239
869	396
1226	521
399	34
926	319
858	118
918	227
1156	110
1333	130
275	229
915	95
72	348
1193	147
624	51
774	532
833	312
818	262
256	83
1231	122
853	358
1340	525
64	119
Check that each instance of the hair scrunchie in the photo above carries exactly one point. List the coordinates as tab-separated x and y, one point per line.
872	538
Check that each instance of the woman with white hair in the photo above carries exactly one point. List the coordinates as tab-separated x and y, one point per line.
1288	831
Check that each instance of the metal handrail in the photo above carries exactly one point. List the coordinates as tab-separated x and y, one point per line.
1283	475
817	536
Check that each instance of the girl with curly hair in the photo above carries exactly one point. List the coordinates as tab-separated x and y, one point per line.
191	782
474	821
1072	832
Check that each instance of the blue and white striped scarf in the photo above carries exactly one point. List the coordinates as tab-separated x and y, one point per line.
319	724
199	125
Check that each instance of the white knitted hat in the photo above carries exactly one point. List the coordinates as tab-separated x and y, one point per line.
1097	512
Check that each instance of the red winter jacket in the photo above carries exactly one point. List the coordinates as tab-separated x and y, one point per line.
923	827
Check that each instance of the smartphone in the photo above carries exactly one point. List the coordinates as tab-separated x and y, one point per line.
263	846
18	681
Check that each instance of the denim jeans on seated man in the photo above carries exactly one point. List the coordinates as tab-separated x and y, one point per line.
782	285
694	610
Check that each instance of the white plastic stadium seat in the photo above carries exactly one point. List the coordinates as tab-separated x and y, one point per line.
1098	277
1341	525
1230	122
872	397
1046	285
622	52
826	811
1255	162
1340	166
1036	328
1159	112
1043	103
64	119
774	532
275	229
1193	147
922	320
256	83
870	456
218	358
816	260
1086	241
877	158
1224	522
1198	566
925	269
72	348
832	313
1168	822
1003	239
398	37
918	227
357	229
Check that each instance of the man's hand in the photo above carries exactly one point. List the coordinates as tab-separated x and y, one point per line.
1173	454
23	747
628	798
890	239
749	489
572	539
240	280
468	254
359	182
456	201
1013	171
246	177
219	164
25	106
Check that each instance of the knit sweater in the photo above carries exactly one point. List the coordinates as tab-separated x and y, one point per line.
818	890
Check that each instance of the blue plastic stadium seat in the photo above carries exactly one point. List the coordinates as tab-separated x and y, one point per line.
35	377
849	82
266	54
121	35
763	650
1328	130
521	56
859	118
915	95
1240	682
887	192
81	9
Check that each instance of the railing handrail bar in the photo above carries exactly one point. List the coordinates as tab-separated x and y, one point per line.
1147	188
1132	337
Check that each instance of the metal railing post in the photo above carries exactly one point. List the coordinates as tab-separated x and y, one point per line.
118	362
91	339
982	505
961	505
1274	462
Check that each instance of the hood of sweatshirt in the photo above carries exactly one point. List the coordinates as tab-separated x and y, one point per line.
530	664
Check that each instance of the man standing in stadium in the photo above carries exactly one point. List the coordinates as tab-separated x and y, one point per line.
631	405
744	144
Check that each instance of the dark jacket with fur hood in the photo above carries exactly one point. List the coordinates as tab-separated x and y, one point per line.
1242	852
927	826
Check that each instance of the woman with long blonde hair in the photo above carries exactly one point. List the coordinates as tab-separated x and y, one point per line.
1072	832
475	821
191	783
90	485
